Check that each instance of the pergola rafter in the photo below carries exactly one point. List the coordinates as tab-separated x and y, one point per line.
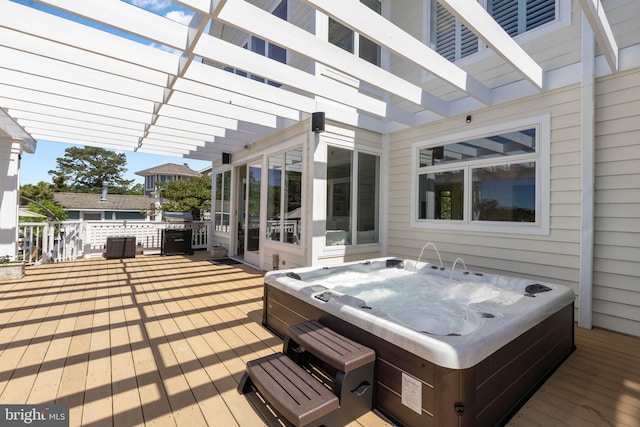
135	80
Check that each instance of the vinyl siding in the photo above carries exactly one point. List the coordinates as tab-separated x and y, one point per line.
553	258
616	275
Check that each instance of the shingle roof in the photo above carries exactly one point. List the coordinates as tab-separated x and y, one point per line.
92	201
169	169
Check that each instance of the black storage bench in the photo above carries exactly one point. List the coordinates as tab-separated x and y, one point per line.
120	247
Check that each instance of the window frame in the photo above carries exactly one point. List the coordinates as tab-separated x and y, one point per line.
542	124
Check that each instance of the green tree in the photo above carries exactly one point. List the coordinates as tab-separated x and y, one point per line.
42	190
190	195
136	190
48	208
83	170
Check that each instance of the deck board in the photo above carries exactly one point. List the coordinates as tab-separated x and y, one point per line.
163	341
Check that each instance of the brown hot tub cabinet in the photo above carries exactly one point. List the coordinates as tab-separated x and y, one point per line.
486	394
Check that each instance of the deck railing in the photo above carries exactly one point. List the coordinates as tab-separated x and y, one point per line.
55	241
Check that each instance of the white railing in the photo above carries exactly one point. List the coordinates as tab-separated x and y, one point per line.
42	242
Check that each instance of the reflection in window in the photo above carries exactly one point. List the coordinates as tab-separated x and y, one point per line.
441	195
505	193
499	172
223	205
343	205
284	198
339	166
368	182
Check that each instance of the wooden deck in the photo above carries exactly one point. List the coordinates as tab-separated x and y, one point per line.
164	340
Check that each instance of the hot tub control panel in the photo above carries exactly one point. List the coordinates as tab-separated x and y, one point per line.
326	296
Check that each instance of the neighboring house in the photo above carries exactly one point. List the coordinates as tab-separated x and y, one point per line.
164	174
116	207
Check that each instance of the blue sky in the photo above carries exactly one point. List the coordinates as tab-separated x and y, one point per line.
35	167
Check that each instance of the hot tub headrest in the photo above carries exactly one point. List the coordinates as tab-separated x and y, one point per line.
395	263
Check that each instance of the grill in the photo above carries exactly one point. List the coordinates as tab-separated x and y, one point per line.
178	217
176	237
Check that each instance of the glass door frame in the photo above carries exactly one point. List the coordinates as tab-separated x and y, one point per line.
248	236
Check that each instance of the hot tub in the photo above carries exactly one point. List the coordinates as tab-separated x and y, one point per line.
453	347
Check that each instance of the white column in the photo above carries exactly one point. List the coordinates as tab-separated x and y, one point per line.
588	176
9	185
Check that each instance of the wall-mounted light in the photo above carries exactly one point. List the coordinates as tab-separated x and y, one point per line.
468	119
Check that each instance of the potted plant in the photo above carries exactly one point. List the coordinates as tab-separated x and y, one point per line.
10	269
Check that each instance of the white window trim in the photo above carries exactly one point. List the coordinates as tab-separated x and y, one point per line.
542	124
563	19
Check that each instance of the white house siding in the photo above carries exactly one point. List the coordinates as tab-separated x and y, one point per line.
616	276
623	18
552	258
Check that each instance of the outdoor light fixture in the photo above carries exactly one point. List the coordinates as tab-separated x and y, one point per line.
469	118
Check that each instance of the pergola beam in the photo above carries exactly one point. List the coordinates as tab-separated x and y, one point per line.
224	52
362	19
595	14
128	18
250	18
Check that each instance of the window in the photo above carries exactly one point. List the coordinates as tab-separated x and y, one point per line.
519	16
352	197
451	39
223	201
149	183
494	180
345	38
284	197
264	48
92	216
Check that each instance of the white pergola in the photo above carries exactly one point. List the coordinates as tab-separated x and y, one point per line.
157	86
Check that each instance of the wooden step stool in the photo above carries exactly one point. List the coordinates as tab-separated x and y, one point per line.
320	379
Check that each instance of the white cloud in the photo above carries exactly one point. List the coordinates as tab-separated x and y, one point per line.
180	16
169	49
152	4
